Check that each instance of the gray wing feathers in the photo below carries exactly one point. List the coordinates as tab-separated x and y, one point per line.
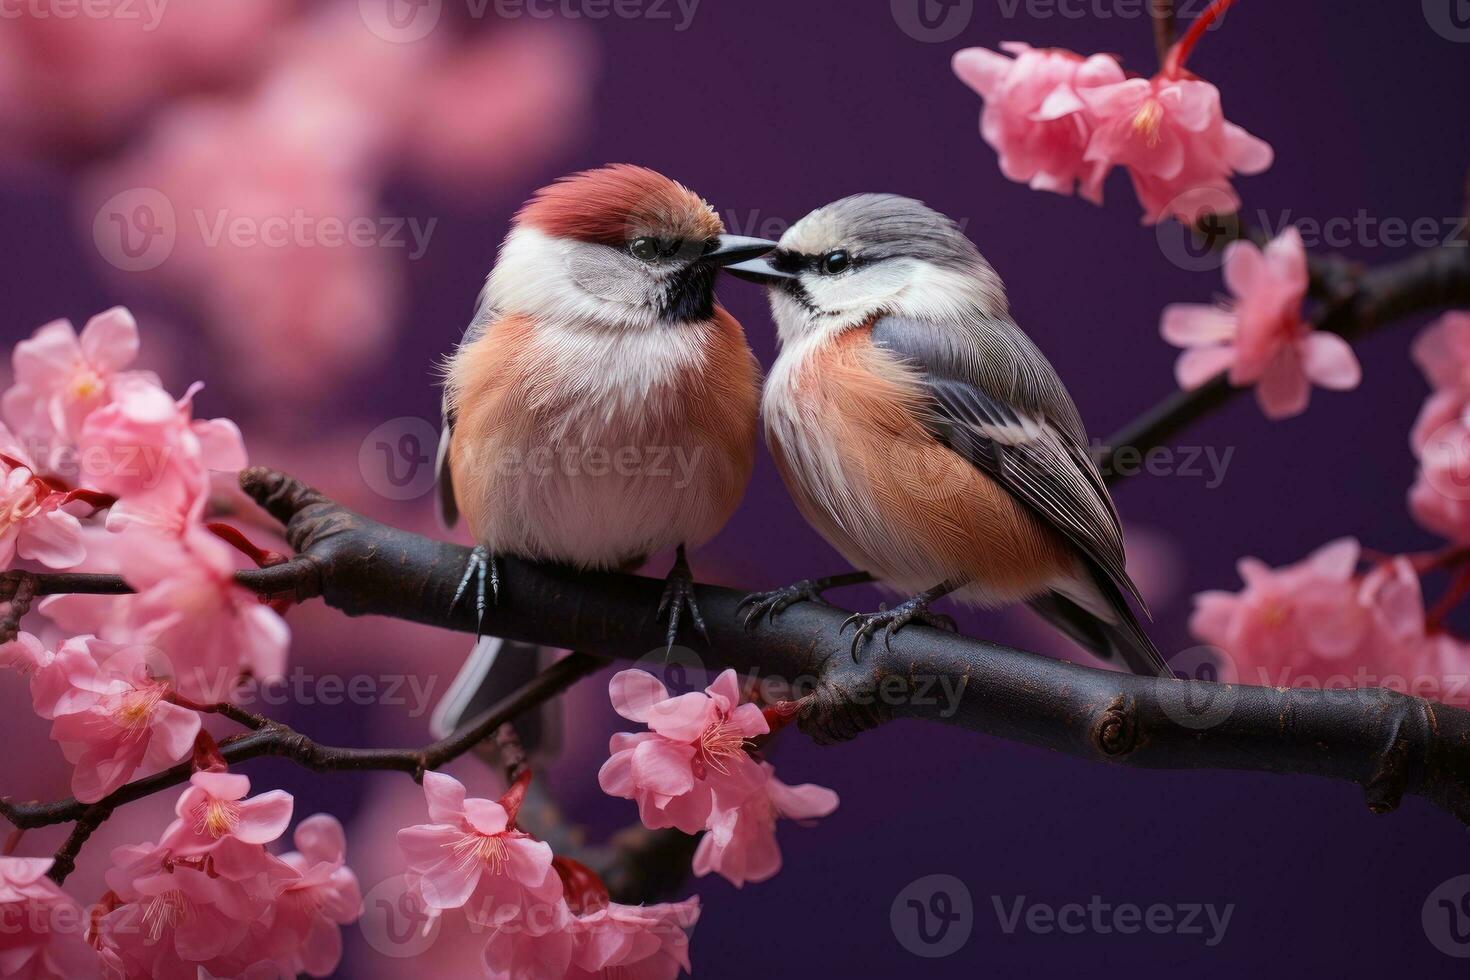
998	402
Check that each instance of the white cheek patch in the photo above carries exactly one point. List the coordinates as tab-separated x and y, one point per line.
612	276
863	291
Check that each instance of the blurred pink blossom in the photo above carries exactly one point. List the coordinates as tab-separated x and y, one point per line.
1319	619
42	938
34	522
1261	339
634	942
114	717
304	934
207	631
61	378
1058	120
1033	116
470	856
70	86
1440	496
1171	135
178	916
694	757
158	458
741	843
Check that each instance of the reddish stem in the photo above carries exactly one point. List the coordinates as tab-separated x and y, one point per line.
585	891
236	539
516	795
1180	52
13	841
207	756
1453	596
781	714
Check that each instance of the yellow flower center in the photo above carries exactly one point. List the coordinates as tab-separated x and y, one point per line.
86	384
218	817
718	743
1146	122
488	849
136	707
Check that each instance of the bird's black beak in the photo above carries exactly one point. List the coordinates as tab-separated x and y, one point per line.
730	249
759	270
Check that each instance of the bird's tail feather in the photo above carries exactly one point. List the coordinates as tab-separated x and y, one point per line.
495	669
1123	641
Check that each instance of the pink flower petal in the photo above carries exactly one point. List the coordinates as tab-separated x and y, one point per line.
1195	367
109	341
1329	361
635	692
1283	390
1196	325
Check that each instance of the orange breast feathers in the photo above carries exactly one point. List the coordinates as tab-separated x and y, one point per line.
845	424
599	447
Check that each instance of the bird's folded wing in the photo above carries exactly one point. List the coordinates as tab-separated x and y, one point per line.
997	417
485	315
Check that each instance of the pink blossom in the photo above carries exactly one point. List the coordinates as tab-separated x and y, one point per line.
43	927
61	378
471	857
34	523
693	757
1034	118
177	916
1318	619
1171	135
1442	351
741	843
634	942
158	456
214	807
1262	339
114	717
514	952
209	631
304	934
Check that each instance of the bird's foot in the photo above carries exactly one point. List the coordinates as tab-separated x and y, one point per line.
777	601
915	610
480	569
678	598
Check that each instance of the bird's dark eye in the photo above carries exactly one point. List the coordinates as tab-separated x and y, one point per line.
644	249
835	262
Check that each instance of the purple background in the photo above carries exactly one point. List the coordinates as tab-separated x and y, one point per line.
770	108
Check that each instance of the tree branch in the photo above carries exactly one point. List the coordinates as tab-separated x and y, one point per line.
1388	743
273	739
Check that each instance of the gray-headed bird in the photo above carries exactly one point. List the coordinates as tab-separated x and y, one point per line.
927	438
